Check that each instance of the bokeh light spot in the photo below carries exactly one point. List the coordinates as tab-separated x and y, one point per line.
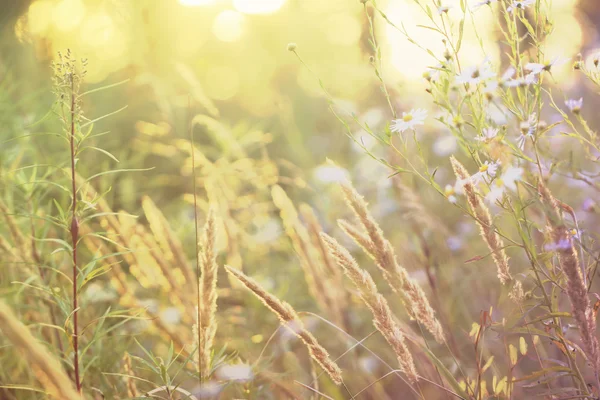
228	26
258	6
196	3
39	16
97	30
68	14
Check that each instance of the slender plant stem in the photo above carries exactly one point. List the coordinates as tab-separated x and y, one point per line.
74	240
193	150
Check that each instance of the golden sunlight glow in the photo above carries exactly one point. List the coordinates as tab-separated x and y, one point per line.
258	6
97	30
39	16
411	61
342	29
228	26
222	82
67	14
565	41
196	3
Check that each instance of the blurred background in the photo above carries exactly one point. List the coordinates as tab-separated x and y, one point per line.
264	118
230	57
261	116
226	60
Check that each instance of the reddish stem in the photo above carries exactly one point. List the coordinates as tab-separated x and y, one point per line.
74	239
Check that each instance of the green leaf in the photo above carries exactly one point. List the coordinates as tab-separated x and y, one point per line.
102	117
99	89
106	153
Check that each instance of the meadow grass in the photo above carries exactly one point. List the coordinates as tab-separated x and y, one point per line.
479	285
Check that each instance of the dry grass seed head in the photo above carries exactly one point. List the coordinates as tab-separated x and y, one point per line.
383	318
291	320
207	309
381	250
576	288
484	220
46	368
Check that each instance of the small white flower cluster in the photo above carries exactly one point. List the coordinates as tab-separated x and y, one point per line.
519	5
514	5
488	176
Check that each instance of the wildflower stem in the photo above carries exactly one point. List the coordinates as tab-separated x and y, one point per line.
74	240
198	305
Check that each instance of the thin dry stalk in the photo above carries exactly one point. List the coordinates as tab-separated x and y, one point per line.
383	319
74	238
132	390
170	244
47	369
576	288
207	295
357	235
314	230
381	250
338	298
18	238
315	277
291	320
484	220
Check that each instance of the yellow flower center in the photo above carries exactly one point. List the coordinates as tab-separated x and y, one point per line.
483	168
499	182
407	117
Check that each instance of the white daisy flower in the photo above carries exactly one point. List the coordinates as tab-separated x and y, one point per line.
528	130
537	68
508	74
508	180
433	74
487	170
506	79
482	3
511	176
450	193
519	4
496	192
527	80
409	120
487	135
443	9
574	105
530	79
476	74
490	168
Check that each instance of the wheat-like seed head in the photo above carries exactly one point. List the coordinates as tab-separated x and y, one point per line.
207	309
46	368
168	241
576	288
314	274
381	250
291	320
383	318
331	276
131	384
484	220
